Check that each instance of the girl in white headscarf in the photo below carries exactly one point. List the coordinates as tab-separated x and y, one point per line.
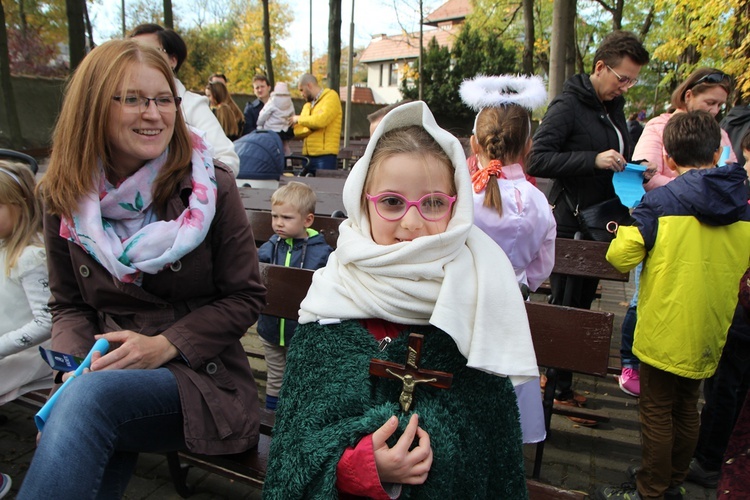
408	260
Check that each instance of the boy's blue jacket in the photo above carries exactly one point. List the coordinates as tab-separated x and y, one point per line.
289	253
694	234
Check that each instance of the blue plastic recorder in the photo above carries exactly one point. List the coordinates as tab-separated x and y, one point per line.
40	418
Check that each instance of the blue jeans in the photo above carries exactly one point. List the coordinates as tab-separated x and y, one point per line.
725	393
92	437
627	358
322	162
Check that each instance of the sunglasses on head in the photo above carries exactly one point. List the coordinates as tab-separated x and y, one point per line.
710	78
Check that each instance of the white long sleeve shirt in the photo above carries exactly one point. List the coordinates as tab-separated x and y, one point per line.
198	114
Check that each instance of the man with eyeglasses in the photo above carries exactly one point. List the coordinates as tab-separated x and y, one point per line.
581	142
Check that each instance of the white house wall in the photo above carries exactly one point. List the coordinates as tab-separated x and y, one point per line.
383	94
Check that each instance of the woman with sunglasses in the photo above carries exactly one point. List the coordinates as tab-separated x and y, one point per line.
149	248
705	89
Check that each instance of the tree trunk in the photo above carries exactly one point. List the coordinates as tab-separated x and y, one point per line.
334	44
739	34
9	101
76	32
89	29
571	52
617	15
529	37
168	18
561	32
267	43
647	23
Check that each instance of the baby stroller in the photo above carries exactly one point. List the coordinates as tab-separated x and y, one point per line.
20	157
262	159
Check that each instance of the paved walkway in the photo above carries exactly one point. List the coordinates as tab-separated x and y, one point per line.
575	457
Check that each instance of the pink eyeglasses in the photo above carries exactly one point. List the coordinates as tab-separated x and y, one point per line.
392	206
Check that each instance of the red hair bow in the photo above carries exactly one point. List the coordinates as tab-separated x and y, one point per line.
481	177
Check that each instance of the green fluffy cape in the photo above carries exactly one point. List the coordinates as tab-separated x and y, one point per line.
329	401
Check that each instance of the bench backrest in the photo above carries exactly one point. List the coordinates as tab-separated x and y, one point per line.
586	259
262	230
318	184
564	337
286	286
571	339
260	199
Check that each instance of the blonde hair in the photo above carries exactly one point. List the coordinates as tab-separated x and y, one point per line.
228	113
411	140
502	132
17	189
298	195
80	139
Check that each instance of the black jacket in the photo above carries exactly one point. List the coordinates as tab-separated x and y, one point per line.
251	112
574	130
737	124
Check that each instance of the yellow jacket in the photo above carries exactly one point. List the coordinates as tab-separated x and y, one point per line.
320	125
693	235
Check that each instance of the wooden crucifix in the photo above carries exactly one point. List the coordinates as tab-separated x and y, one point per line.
410	374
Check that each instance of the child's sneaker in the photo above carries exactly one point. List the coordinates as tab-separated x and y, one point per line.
630	382
673	493
627	491
5	484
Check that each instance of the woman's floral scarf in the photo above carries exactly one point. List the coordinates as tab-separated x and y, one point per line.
117	225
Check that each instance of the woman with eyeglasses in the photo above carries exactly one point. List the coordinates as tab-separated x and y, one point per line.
705	89
149	248
195	108
581	142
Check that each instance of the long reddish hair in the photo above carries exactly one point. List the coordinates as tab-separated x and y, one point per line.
80	139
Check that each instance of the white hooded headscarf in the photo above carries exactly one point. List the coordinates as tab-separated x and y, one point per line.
459	281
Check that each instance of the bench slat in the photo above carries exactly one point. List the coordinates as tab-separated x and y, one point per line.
571	339
585	258
262	229
260	199
541	491
248	467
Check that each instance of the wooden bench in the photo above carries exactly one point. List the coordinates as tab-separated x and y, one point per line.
262	230
286	289
346	156
318	184
260	199
581	346
339	173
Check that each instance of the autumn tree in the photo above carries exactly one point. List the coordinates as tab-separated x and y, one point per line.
246	56
699	33
36	29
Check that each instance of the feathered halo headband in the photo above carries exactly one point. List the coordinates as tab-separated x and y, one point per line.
493	91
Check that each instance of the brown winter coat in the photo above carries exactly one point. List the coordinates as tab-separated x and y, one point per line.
203	304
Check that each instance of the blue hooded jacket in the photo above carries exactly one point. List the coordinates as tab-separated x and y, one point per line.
307	253
694	234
